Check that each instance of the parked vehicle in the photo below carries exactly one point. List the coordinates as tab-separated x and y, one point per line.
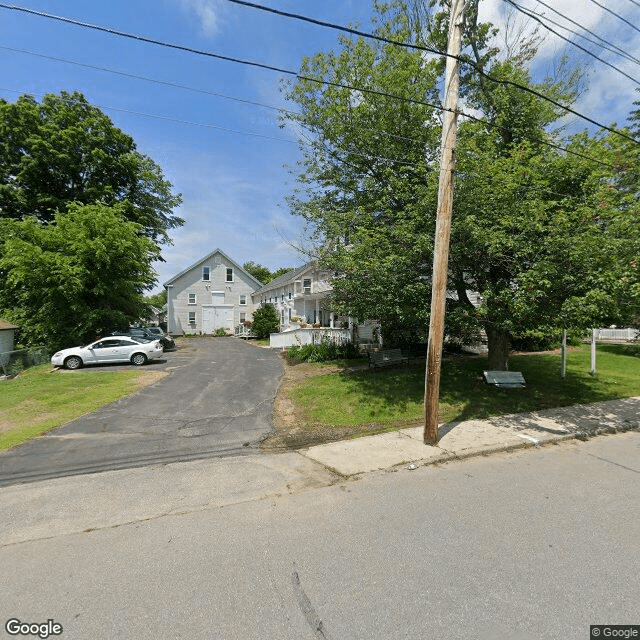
106	350
150	333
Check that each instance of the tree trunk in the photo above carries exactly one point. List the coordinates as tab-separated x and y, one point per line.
498	343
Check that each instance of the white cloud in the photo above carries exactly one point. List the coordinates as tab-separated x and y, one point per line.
609	95
209	12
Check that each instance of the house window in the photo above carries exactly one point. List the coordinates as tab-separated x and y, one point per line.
192	317
306	285
243	317
229	275
243	299
289	295
192	298
206	273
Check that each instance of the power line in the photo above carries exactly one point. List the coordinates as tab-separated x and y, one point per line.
165	83
462	59
179	121
617	15
210	54
605	44
533	16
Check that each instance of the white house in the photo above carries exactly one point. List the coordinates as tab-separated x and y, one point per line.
213	293
300	297
216	292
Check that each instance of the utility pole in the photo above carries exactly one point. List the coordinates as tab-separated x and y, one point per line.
443	224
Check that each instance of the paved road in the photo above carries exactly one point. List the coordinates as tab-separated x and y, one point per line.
217	400
533	545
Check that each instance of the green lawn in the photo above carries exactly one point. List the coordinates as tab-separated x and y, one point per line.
40	399
392	398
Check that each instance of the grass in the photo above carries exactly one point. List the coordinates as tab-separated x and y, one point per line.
392	398
40	399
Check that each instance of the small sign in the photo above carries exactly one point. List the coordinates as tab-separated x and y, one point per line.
505	379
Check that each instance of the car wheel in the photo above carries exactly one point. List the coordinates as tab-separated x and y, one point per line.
138	359
73	362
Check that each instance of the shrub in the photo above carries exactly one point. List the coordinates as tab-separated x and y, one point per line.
265	321
324	351
220	332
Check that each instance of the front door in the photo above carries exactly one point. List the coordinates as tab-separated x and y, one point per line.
216	317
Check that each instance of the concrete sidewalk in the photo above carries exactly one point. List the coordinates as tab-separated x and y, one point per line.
83	503
476	437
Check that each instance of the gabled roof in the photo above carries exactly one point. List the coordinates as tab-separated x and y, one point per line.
207	257
7	325
289	276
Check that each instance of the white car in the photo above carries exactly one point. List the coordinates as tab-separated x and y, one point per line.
105	350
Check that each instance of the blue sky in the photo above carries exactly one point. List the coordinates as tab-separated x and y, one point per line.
233	184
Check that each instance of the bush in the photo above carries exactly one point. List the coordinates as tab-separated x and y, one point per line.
220	332
324	351
265	321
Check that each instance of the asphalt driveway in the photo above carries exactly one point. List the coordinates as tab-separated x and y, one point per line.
217	400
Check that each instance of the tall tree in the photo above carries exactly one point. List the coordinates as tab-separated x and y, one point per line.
363	186
262	273
64	150
68	282
522	233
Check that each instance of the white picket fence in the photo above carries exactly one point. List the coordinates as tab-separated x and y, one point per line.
622	335
307	336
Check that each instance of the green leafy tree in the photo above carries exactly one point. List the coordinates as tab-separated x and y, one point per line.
69	282
262	273
157	300
265	321
258	271
63	150
525	236
364	186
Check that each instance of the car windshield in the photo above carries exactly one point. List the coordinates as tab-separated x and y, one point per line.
141	339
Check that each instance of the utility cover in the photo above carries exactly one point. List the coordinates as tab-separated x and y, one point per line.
505	379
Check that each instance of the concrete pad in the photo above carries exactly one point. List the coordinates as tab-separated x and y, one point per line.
536	428
470	437
371	453
75	504
476	436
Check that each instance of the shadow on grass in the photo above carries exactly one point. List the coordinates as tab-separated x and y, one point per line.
464	395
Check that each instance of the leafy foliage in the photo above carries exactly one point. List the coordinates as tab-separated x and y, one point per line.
548	240
67	283
324	351
158	300
64	150
265	321
262	273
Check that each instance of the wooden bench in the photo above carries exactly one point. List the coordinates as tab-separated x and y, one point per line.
386	358
505	379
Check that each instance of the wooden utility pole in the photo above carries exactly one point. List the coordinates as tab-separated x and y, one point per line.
443	224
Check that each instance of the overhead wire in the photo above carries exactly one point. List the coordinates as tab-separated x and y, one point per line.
535	17
178	120
173	85
292	113
226	58
598	42
617	15
461	59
